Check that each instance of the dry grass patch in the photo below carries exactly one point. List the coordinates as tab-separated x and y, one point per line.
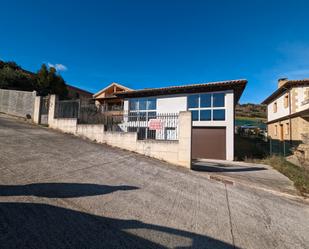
299	175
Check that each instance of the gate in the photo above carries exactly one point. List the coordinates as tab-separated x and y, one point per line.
44	108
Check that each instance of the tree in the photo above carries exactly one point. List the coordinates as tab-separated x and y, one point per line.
49	82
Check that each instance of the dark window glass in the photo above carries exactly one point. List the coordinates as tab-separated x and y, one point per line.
205	115
142	104
152	104
194	115
141	133
218	114
151	134
142	116
206	100
152	115
193	101
133	104
218	99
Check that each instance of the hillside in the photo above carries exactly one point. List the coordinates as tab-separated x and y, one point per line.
254	111
45	81
14	77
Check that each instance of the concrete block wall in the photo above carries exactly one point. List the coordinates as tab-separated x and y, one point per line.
17	103
36	110
175	152
93	132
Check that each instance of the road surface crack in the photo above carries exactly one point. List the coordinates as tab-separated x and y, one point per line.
230	217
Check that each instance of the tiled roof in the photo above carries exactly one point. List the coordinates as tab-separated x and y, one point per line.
287	85
237	85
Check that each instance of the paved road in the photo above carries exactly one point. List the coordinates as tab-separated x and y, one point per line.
58	191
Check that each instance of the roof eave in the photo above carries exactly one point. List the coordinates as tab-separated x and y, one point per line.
238	85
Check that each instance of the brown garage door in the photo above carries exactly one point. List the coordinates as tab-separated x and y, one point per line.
209	142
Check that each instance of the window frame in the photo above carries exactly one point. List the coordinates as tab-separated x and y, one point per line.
211	108
275	107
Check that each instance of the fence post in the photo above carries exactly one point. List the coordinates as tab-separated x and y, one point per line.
37	109
185	136
270	147
52	109
283	147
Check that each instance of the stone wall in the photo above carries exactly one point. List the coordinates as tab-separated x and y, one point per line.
17	103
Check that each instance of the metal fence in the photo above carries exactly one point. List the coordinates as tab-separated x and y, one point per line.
148	125
67	109
281	148
152	125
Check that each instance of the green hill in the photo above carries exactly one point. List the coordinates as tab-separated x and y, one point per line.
45	81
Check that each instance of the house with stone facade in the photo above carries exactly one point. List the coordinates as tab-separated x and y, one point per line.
288	114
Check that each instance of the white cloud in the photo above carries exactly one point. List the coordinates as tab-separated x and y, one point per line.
58	67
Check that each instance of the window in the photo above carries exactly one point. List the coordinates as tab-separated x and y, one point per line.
141	110
143	104
193	101
133	104
207	106
276	130
205	115
218	114
275	107
205	100
218	99
287	131
195	115
286	101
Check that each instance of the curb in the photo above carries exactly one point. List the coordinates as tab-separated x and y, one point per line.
231	181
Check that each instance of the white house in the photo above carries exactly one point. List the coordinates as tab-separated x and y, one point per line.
212	106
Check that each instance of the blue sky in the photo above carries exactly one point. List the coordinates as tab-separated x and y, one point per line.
144	44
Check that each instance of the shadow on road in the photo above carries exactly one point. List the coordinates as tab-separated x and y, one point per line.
30	225
60	190
223	168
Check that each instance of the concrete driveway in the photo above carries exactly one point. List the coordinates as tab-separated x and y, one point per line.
59	191
257	176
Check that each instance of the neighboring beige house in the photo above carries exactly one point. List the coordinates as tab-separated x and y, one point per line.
288	111
108	100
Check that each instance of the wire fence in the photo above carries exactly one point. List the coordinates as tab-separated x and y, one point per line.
256	147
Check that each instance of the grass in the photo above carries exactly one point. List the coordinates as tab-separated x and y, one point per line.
249	148
250	118
299	175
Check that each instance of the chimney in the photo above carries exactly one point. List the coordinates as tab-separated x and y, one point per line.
282	81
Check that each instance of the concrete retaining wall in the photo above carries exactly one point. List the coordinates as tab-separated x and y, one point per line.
17	103
176	152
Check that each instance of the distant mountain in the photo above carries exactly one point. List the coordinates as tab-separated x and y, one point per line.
251	111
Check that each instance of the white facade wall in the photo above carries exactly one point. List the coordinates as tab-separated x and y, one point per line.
177	103
299	102
302	101
281	110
